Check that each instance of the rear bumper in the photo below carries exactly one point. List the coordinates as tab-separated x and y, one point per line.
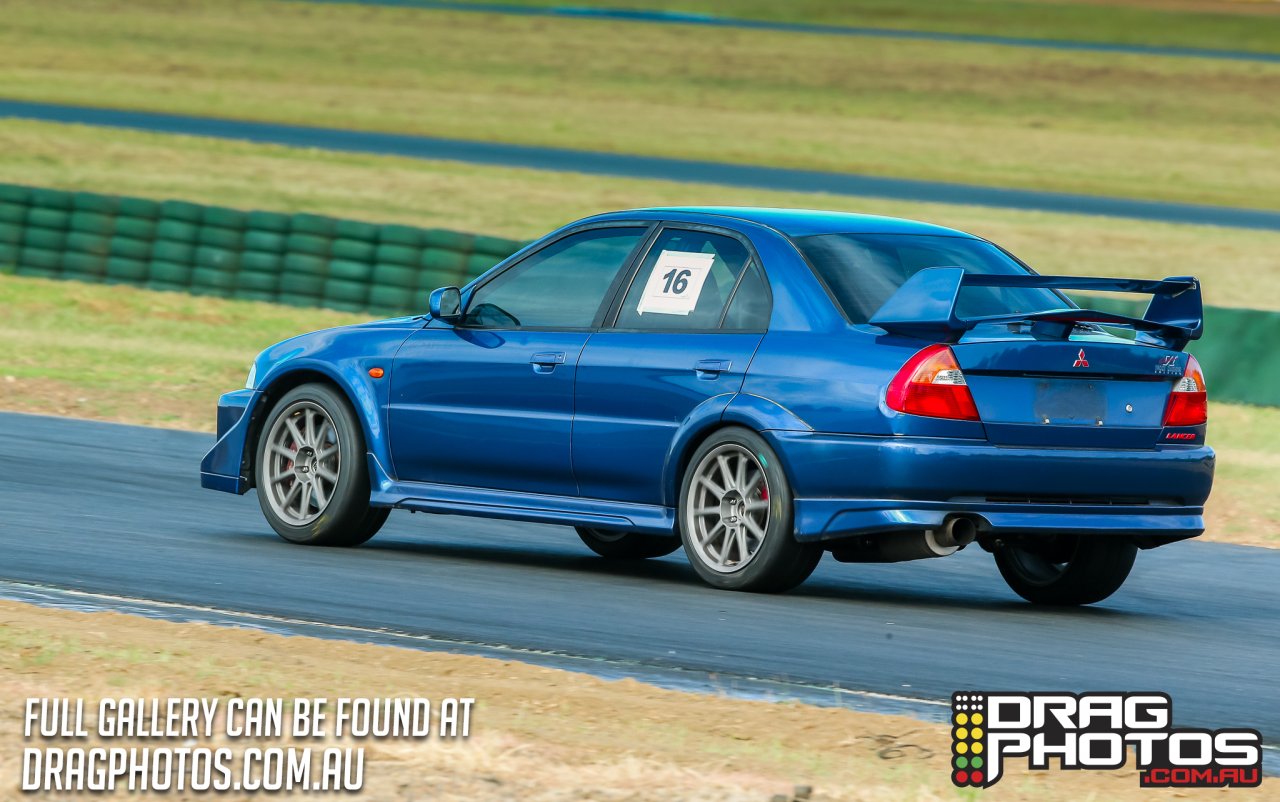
848	485
831	519
222	468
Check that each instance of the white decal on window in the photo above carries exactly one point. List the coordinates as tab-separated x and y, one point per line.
675	283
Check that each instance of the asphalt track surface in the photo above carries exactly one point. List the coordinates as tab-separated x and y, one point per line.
117	510
713	21
643	167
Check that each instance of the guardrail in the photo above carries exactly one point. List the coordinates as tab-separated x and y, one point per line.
314	260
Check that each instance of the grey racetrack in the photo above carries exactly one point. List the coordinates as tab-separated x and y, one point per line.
625	165
117	510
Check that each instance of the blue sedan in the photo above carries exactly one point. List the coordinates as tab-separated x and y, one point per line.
761	386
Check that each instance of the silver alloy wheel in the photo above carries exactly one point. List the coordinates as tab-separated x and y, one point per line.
301	462
727	511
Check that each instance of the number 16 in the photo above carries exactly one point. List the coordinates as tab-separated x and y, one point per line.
677	281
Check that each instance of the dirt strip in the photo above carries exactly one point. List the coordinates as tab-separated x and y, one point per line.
536	733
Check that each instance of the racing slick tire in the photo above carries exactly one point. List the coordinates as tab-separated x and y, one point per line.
736	517
312	477
626	545
1066	569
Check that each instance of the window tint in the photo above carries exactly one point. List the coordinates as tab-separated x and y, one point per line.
684	282
749	309
560	286
863	270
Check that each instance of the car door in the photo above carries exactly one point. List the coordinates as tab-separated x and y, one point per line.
489	402
694	311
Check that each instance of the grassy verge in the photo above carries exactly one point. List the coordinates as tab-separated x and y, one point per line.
537	734
123	354
1176	129
1223	24
1238	268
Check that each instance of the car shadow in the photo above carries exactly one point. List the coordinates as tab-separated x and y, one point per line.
920	593
826	587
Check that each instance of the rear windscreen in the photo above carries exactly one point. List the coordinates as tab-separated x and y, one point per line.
863	270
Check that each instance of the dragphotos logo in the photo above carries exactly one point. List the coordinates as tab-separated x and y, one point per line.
1095	731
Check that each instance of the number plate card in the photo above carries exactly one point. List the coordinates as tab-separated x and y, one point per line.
675	283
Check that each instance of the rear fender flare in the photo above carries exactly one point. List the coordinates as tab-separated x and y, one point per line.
741	409
761	415
705	418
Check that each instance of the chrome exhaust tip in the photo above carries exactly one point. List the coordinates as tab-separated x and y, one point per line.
957	531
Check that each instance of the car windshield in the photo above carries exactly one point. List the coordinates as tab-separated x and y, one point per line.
863	270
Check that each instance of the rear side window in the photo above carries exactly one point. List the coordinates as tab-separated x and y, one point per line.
685	283
561	286
863	270
750	307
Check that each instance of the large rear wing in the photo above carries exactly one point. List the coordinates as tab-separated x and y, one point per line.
925	306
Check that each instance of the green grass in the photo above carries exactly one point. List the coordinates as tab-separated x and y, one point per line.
132	355
1175	129
1241	25
117	353
1245	506
524	204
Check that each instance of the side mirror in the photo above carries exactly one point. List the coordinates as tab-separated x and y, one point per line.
446	304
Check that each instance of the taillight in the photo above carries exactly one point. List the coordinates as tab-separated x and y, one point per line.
1189	401
932	384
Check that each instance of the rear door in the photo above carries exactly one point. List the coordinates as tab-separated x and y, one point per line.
683	334
1092	391
489	403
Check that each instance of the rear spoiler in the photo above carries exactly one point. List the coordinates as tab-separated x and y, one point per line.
925	306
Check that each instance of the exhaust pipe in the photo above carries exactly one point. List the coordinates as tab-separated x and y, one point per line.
954	534
957	531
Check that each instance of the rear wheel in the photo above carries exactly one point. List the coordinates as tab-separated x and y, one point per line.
627	545
313	481
736	517
1066	569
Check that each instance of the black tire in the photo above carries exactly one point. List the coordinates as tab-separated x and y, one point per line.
346	519
1066	569
627	545
779	562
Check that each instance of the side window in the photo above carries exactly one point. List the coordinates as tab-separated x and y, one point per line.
750	307
560	286
684	283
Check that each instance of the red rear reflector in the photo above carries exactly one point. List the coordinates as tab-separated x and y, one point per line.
931	384
1189	400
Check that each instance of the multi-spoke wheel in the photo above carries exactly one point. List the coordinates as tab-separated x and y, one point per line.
736	519
1065	569
627	545
302	462
313	484
728	513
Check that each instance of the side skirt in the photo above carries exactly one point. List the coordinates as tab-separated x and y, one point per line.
535	507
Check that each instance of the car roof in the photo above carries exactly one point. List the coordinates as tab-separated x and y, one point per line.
805	222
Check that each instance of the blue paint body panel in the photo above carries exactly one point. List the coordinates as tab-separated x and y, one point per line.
480	422
467	408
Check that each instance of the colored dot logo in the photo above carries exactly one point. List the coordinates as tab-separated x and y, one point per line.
967	739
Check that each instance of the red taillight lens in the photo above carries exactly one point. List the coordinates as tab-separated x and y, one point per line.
1189	401
932	384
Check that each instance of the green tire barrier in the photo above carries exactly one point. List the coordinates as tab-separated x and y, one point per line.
313	260
1236	350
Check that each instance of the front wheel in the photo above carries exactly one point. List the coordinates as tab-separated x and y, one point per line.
736	517
627	545
1066	569
312	477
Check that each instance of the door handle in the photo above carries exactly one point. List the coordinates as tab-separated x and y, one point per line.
546	361
711	368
